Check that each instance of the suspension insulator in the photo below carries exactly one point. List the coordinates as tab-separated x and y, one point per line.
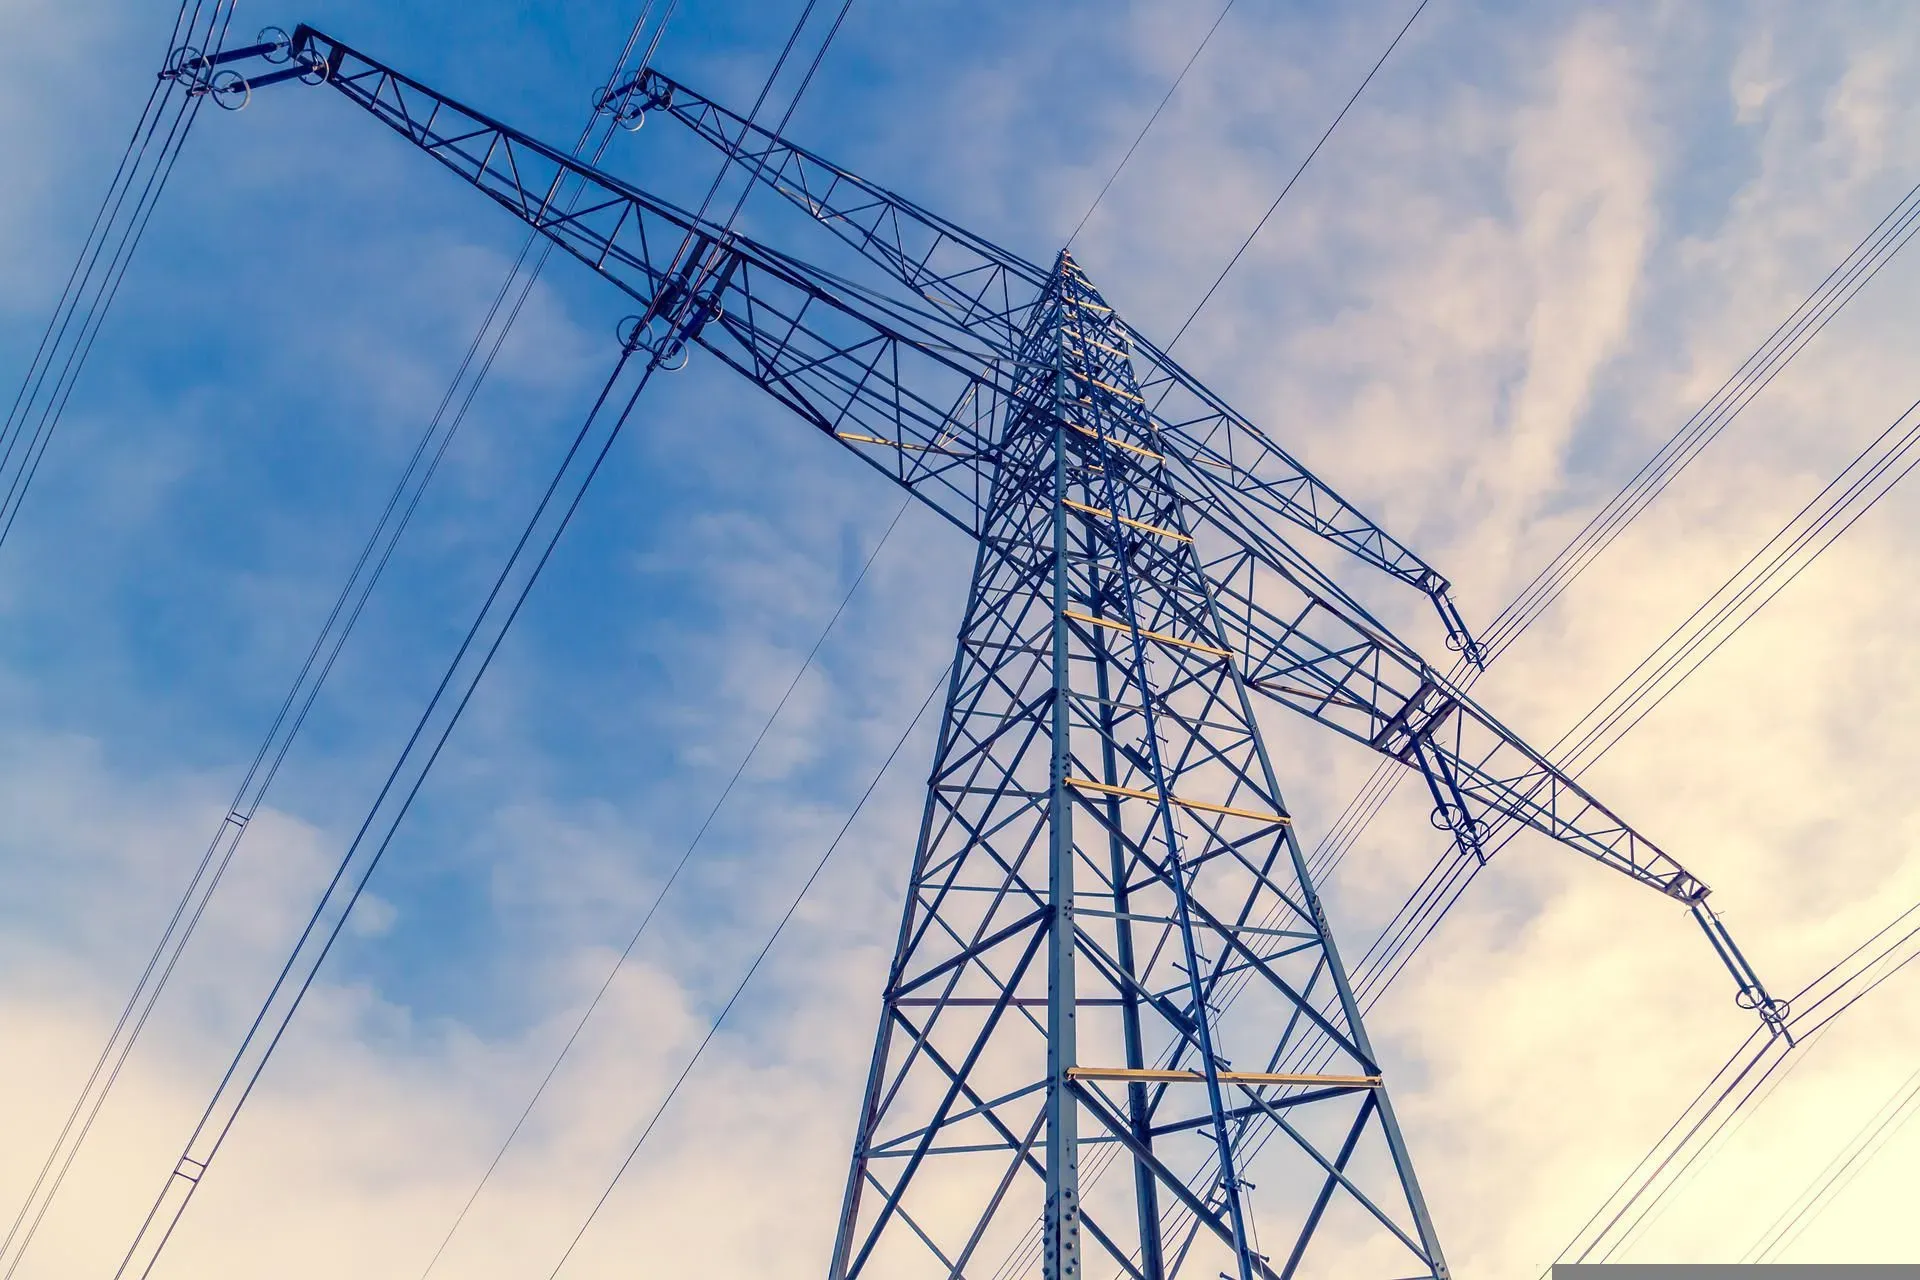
229	90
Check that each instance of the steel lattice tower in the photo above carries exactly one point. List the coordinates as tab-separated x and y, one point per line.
1106	861
1116	1036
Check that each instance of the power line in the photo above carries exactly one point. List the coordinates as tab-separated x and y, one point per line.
720	1018
1861	265
290	719
1868	478
805	665
1856	1154
1795	1056
1142	135
91	287
1807	1031
496	615
1261	224
673	877
1815	312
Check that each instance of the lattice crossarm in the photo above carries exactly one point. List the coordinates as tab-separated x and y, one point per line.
1311	653
901	386
1224	454
981	285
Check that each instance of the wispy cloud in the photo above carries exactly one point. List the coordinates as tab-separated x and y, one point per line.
1537	245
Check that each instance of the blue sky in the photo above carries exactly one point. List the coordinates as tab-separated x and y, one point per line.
1542	238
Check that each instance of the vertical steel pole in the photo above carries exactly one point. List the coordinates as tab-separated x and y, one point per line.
1062	1220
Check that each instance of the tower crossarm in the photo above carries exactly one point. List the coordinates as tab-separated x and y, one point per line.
978	283
915	390
1301	645
901	386
990	291
1231	461
1298	642
921	388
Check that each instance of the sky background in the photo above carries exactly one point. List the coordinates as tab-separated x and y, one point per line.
1542	239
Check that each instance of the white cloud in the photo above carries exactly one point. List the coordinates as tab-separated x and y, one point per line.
1498	289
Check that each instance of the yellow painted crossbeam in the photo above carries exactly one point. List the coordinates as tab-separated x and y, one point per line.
1128	521
1119	444
1161	636
1152	1075
1107	386
1205	806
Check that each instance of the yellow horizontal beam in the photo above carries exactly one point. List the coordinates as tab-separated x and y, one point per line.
1207	806
1119	444
1152	1075
1128	521
1107	386
1161	636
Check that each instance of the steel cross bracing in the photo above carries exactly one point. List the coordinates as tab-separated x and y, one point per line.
1104	847
1105	844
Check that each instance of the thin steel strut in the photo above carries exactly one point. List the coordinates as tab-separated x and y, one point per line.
1104	846
1102	824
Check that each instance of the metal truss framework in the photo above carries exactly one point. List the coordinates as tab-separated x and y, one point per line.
1111	953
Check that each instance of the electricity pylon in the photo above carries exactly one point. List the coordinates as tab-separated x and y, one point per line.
1112	954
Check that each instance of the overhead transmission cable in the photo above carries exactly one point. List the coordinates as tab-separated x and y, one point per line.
673	876
1646	1187
558	505
101	265
713	1028
1860	486
1151	119
1873	1137
1865	481
805	665
1815	312
374	556
390	807
747	122
1861	265
1855	984
1893	463
1260	225
1795	1057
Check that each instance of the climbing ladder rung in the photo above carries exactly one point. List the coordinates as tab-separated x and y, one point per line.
1119	444
1109	387
1160	636
1077	336
1127	520
1153	1075
1205	806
